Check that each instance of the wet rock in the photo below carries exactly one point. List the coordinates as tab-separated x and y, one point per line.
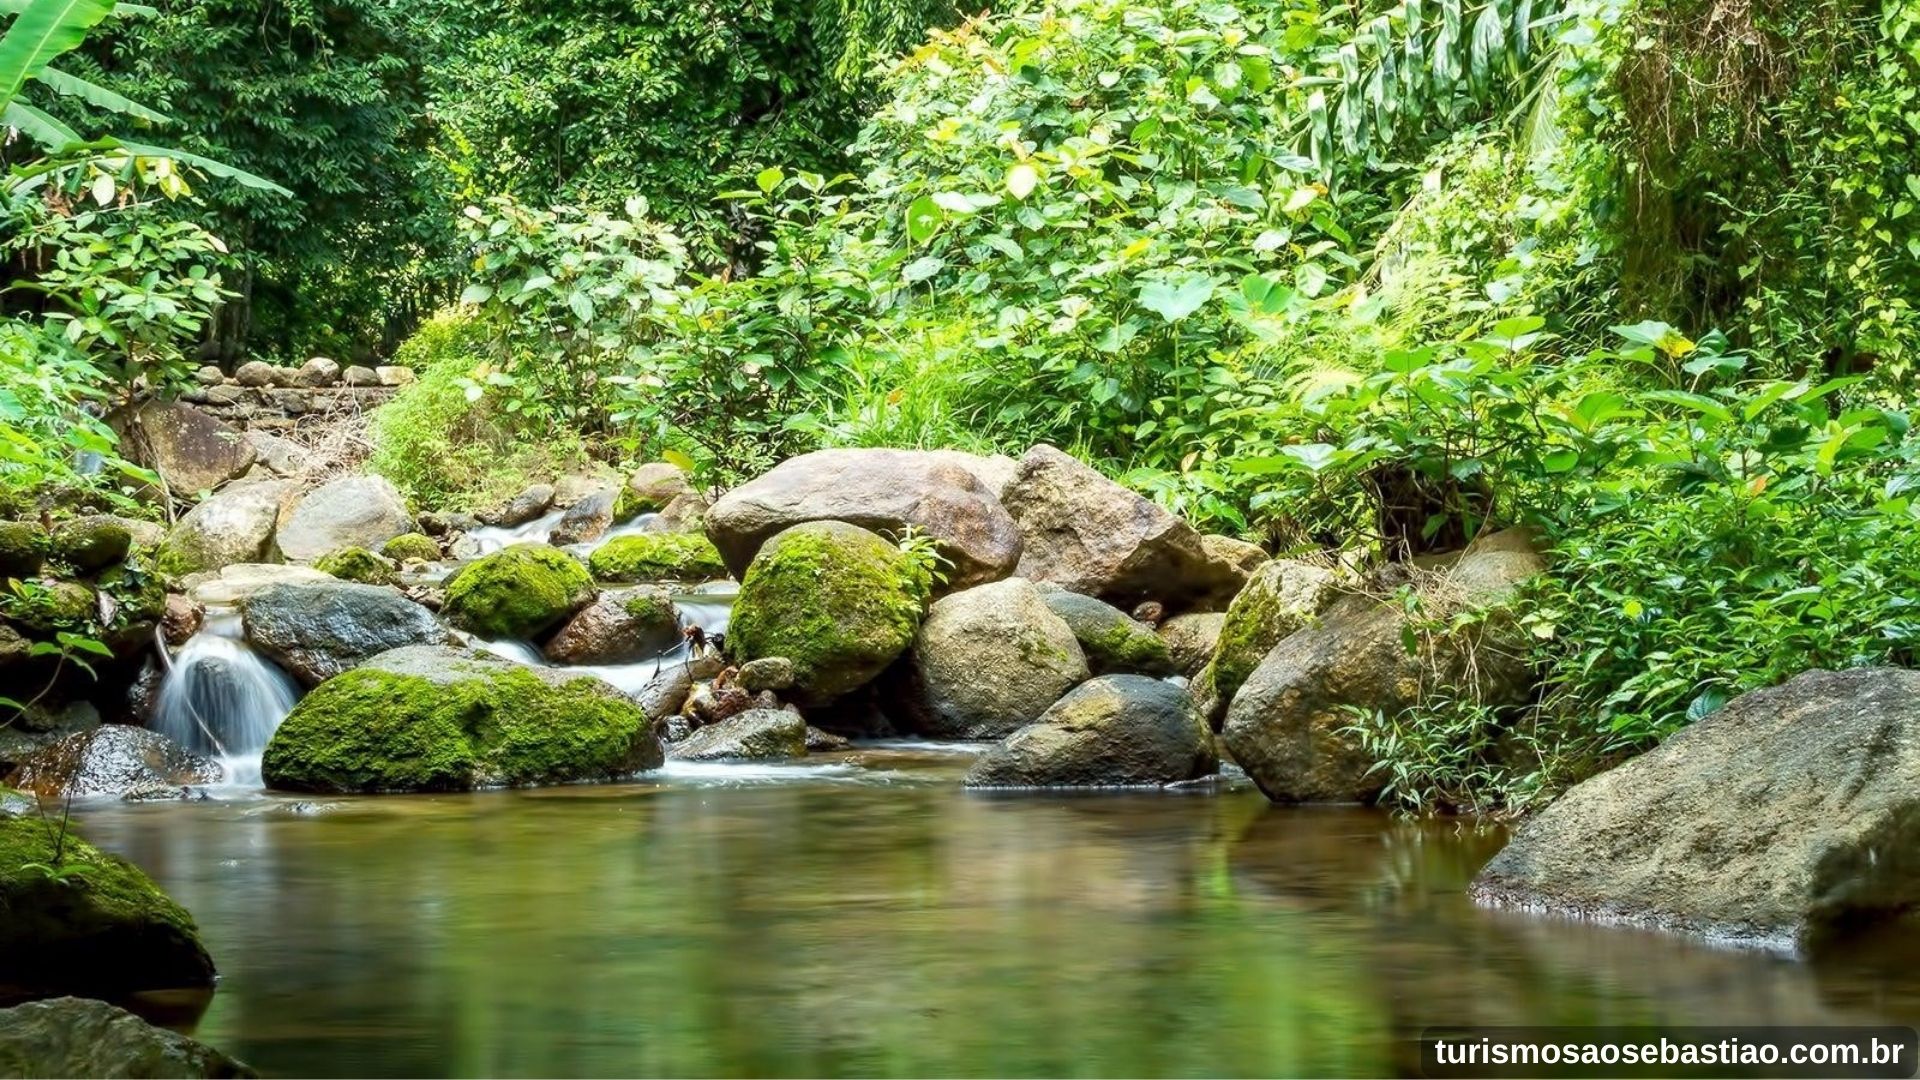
1782	821
1191	639
92	543
190	449
111	760
1282	597
353	511
666	693
989	661
585	521
72	1036
99	927
519	592
28	732
825	742
835	599
1117	730
1114	643
656	557
767	673
623	626
182	620
440	523
1287	725
520	509
432	718
1088	534
320	629
754	735
886	491
316	373
254	373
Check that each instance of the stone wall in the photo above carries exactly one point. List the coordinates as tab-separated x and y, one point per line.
264	397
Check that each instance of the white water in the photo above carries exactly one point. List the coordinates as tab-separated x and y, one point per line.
708	607
491	538
223	699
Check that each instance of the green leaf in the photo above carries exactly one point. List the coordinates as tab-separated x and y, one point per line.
46	29
923	219
204	164
768	179
98	96
476	294
38	126
1022	179
1176	297
1699	403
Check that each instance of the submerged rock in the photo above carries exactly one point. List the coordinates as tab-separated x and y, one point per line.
886	491
430	718
518	592
1088	534
1785	819
838	601
1113	641
754	735
353	511
989	661
1289	724
1117	730
318	630
622	626
112	759
84	922
73	1036
656	557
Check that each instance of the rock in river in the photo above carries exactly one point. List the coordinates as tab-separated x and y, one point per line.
112	759
73	1036
1789	816
1114	642
1117	730
754	735
353	511
989	661
318	630
431	718
519	592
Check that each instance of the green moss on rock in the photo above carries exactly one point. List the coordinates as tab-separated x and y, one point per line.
411	546
80	921
92	543
656	557
837	600
20	549
1113	641
45	605
1281	598
356	564
429	718
519	592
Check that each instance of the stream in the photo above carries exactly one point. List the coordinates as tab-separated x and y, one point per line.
862	914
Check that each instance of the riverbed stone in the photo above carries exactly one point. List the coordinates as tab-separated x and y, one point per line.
988	661
71	1036
111	759
353	511
409	547
21	550
519	592
281	456
532	502
587	520
767	673
753	735
357	564
656	557
885	491
318	630
1283	596
1113	641
1786	820
1117	730
233	584
621	626
433	718
1191	639
666	693
1289	725
1088	534
664	489
192	450
98	926
837	600
39	727
92	543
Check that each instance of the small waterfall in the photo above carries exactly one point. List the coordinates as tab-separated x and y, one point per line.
491	538
708	607
224	700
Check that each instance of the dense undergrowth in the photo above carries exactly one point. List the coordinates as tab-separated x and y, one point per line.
1365	277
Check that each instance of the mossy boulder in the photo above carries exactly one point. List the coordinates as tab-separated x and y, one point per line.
74	1036
837	600
621	627
411	546
45	605
518	592
656	557
357	564
1282	596
1113	641
78	920
20	549
987	662
91	543
432	718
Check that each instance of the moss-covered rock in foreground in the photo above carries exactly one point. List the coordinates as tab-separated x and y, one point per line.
837	600
519	592
356	564
432	718
656	557
74	919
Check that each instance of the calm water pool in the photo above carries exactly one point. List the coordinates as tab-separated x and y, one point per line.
871	917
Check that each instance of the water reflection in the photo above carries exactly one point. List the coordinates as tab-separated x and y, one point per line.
822	926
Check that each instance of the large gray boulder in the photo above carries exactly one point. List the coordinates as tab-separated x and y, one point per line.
1289	725
754	735
621	626
1282	596
1785	819
72	1036
1113	641
112	759
1087	534
191	450
319	629
234	526
585	521
988	661
353	511
1116	731
886	491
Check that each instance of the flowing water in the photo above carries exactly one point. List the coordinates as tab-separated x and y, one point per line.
863	914
224	700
